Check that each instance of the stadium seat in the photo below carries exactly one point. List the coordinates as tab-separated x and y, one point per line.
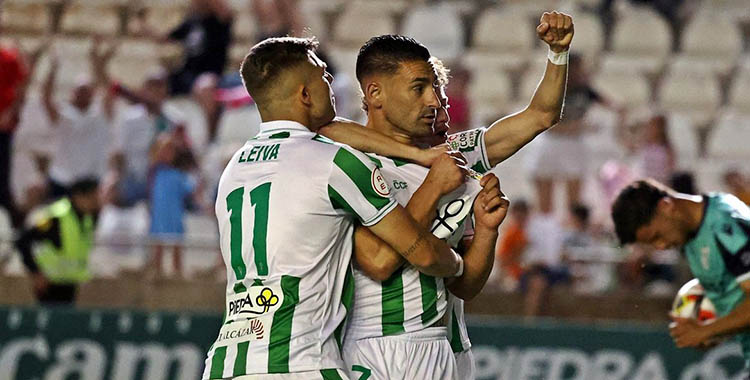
502	40
589	36
437	27
531	79
244	27
19	17
238	125
684	138
642	41
529	9
711	41
690	92
345	59
739	92
490	95
163	17
85	19
320	5
729	138
630	89
359	22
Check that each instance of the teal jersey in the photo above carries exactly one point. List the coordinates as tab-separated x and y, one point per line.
719	255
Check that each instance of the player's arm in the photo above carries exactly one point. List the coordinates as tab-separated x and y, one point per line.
417	245
48	90
374	256
99	58
509	134
369	140
355	186
490	209
734	247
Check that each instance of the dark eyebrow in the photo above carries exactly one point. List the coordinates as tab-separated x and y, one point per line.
422	80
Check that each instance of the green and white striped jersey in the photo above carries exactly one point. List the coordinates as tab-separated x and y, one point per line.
409	301
286	208
471	144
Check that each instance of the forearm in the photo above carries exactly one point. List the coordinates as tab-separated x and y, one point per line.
478	262
548	97
423	204
368	140
373	256
736	321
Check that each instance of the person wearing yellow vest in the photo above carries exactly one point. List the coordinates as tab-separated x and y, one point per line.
56	249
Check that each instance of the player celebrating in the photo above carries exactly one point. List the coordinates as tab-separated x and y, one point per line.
483	147
285	209
403	312
713	232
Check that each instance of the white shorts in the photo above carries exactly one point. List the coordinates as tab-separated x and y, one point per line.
465	365
328	374
423	354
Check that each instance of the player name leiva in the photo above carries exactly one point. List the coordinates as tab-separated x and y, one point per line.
260	153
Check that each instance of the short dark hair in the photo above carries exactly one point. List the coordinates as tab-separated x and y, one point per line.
635	207
581	212
84	186
269	58
383	54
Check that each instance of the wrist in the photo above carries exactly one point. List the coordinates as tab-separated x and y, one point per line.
485	230
558	55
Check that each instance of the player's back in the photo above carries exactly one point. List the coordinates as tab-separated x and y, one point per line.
287	247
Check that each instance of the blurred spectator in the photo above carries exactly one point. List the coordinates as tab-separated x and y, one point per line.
458	92
561	153
649	270
542	261
513	244
737	183
276	18
82	123
171	189
13	86
205	34
56	249
683	182
139	126
655	156
578	236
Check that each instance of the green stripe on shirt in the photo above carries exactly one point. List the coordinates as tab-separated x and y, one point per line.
217	363
392	299
281	327
330	374
455	340
429	297
240	363
361	175
338	202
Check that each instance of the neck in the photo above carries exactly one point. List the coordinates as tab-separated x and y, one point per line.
691	208
270	115
378	122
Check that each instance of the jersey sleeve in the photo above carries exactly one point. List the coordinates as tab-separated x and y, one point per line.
471	144
733	239
356	186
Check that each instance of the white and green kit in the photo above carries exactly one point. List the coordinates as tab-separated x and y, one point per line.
409	301
286	209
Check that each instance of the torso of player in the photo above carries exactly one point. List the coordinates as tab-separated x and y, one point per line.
287	250
719	252
409	301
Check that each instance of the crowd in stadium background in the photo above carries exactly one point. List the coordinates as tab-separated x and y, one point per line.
655	89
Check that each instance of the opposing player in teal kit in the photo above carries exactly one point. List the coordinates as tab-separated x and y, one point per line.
713	232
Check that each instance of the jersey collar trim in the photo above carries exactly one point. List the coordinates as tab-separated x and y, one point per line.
282	125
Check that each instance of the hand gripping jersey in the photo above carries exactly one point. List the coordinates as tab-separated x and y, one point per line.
286	208
409	301
719	255
471	144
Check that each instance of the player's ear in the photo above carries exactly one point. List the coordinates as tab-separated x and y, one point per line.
304	95
374	94
665	206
